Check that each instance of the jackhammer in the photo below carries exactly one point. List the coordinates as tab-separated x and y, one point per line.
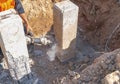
42	40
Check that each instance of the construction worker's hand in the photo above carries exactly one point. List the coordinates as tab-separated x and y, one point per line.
28	39
29	31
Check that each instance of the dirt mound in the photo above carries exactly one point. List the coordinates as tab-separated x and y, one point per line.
98	19
39	14
101	66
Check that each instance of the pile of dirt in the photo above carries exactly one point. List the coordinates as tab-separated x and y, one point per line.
99	21
40	15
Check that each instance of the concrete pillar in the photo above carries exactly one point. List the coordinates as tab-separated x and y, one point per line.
13	44
65	28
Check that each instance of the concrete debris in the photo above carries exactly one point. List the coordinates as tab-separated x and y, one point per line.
112	78
102	65
73	74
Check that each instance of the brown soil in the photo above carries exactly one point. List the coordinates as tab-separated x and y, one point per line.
98	19
40	15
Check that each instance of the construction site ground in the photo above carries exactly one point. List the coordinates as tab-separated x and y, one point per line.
97	51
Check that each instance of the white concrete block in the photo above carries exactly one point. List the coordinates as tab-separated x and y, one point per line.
13	44
65	25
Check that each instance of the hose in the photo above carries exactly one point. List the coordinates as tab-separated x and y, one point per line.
109	38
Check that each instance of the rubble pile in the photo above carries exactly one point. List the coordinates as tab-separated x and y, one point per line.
101	71
103	65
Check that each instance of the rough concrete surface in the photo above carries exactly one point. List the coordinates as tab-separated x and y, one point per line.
13	45
65	28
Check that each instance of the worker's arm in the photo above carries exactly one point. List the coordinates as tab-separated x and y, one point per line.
19	8
25	21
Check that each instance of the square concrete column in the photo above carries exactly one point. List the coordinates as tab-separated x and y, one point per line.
13	44
65	28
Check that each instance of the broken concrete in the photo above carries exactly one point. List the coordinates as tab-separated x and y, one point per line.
112	78
65	28
13	44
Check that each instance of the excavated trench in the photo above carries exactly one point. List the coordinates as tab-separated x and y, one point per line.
98	41
98	20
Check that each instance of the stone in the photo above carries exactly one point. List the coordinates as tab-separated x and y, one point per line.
112	78
74	74
65	28
13	44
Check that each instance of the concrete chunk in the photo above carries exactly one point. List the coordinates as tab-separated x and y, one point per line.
65	28
14	47
112	78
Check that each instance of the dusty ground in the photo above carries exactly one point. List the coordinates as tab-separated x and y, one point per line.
98	33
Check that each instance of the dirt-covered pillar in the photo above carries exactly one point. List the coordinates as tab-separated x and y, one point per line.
14	47
65	28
